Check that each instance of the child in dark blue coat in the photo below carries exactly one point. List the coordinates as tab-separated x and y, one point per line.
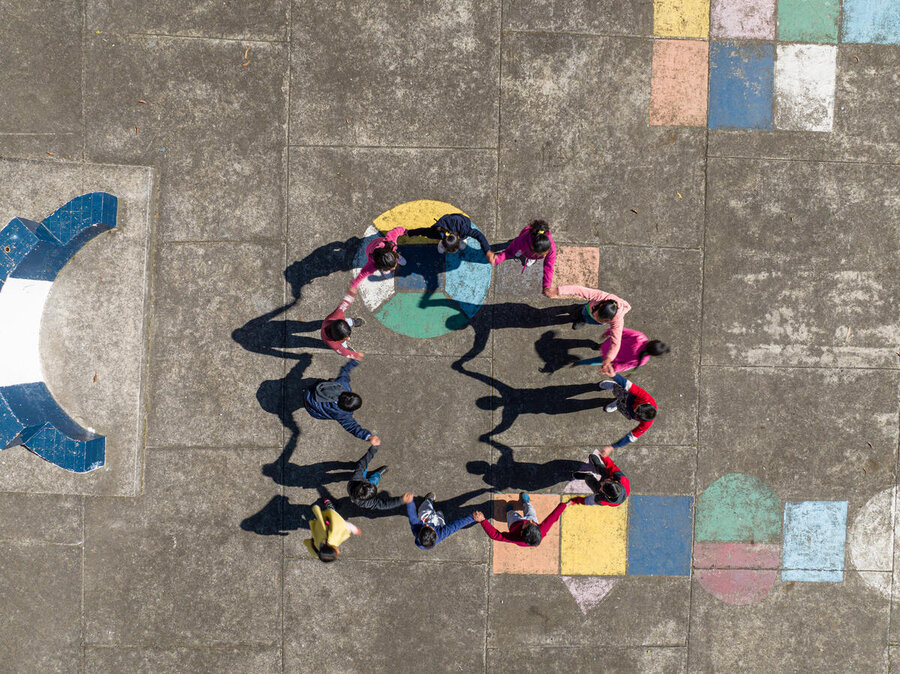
363	486
333	399
428	525
451	232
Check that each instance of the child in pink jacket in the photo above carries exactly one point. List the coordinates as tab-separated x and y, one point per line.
533	243
602	309
634	351
382	255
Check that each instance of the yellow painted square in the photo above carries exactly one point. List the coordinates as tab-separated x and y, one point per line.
681	18
594	540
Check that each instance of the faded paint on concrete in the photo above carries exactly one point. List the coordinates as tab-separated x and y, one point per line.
748	19
594	540
738	508
681	18
577	265
805	77
814	536
870	540
808	20
679	83
871	21
511	558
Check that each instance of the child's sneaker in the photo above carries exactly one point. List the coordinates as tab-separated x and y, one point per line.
327	504
462	245
524	498
580	475
357	322
401	261
611	407
430	496
381	471
597	463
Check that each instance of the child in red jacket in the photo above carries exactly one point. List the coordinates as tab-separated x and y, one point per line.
524	529
336	328
634	403
607	481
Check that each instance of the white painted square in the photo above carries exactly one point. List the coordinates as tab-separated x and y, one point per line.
804	86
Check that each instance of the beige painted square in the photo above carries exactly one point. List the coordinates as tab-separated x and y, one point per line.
679	83
512	558
577	265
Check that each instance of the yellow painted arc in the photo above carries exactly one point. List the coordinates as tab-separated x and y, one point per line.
414	214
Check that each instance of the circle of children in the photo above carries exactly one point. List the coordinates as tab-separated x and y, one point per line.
622	350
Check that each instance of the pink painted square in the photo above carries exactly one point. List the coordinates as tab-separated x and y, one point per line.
577	265
511	558
753	19
679	82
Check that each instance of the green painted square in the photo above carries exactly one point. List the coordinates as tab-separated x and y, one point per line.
808	20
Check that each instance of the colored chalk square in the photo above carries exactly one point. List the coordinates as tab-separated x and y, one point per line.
740	85
804	87
511	558
659	535
594	540
679	83
871	21
749	19
808	20
815	534
681	18
576	265
738	508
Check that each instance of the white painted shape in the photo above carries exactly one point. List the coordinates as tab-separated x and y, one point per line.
588	591
870	540
378	288
21	308
805	77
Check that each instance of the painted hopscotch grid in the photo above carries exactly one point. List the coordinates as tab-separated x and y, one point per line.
757	64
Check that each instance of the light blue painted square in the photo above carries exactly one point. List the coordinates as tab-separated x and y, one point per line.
741	85
815	535
659	535
871	21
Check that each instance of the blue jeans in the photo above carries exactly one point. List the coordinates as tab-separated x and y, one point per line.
374	478
512	516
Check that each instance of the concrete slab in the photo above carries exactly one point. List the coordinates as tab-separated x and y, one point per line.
412	603
391	64
236	660
603	17
259	21
214	129
583	659
576	149
40	518
795	307
41	587
198	371
150	575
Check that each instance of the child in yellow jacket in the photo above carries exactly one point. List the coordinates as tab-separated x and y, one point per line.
329	531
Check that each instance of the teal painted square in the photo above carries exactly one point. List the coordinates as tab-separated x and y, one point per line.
815	535
871	21
808	20
741	85
659	535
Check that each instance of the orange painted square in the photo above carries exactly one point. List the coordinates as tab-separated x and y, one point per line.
577	265
679	83
512	558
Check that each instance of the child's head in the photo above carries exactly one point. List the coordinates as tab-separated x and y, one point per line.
531	534
656	348
349	401
540	237
450	242
338	330
386	257
612	491
606	310
645	412
328	553
427	537
363	491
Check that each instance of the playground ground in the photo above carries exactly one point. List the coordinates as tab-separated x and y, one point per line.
732	170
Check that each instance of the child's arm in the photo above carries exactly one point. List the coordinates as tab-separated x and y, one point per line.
515	246
395	234
344	377
346	420
427	232
449	529
493	533
352	528
360	473
384	501
412	515
552	517
549	264
364	273
589	294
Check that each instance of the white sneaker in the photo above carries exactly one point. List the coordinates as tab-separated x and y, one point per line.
462	245
401	261
611	407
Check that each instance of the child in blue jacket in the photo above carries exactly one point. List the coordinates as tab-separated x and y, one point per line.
428	525
333	399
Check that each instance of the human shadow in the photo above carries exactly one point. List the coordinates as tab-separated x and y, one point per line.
556	351
323	261
282	397
310	476
278	517
453	507
528	476
269	337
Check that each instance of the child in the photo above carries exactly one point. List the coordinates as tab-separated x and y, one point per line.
533	243
524	529
363	488
336	328
333	399
381	254
428	525
602	309
451	232
634	403
636	350
329	531
607	481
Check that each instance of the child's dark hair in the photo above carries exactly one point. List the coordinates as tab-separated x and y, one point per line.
531	534
385	257
349	401
645	412
540	236
327	553
613	491
450	242
339	330
427	537
607	310
655	348
362	491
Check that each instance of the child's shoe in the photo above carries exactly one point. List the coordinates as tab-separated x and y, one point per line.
430	496
611	407
524	498
401	261
357	322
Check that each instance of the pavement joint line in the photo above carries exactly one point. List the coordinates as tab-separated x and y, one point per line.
575	33
206	38
395	560
860	162
350	146
83	583
800	367
38	133
18	542
223	646
218	448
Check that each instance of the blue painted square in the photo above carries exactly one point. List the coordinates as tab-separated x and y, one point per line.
741	85
815	534
424	269
659	535
871	21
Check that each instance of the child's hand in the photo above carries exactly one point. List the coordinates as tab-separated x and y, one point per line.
478	516
606	368
491	255
606	451
374	440
408	497
359	357
552	291
352	292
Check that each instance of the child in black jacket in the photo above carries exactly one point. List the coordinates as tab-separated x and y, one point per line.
363	487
